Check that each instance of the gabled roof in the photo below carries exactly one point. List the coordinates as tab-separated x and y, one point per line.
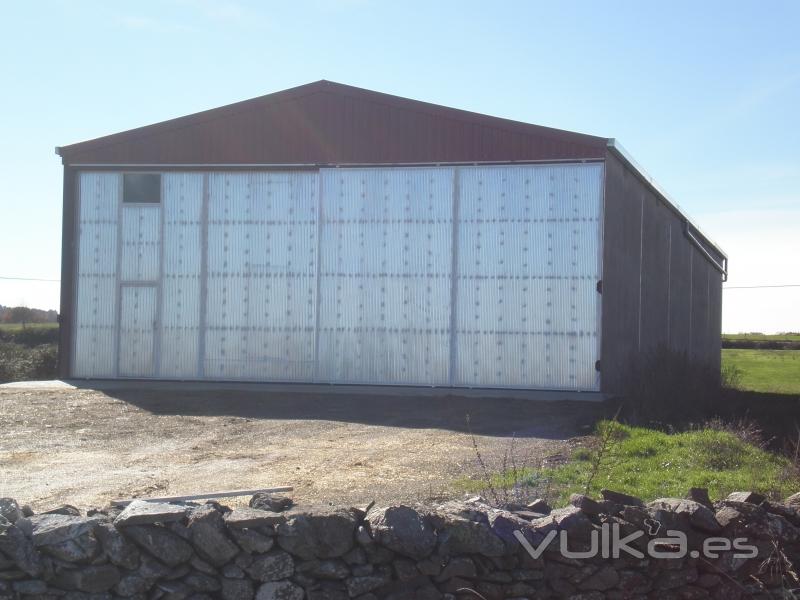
330	123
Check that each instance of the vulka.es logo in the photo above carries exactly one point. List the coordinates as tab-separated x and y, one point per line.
609	543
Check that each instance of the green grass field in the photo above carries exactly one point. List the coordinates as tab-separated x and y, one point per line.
775	371
652	464
16	327
763	337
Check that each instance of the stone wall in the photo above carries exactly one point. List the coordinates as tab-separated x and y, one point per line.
452	550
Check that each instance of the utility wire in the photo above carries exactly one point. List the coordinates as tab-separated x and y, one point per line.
28	279
756	287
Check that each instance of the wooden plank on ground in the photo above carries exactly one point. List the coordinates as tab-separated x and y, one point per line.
206	495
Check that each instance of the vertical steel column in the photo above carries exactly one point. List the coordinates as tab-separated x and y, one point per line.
118	276
454	278
318	299
158	329
70	227
201	324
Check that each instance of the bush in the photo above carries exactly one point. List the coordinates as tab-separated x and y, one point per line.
668	388
33	335
23	363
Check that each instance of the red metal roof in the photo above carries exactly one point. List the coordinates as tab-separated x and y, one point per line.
330	123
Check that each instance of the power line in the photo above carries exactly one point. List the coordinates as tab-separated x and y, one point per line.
756	287
28	279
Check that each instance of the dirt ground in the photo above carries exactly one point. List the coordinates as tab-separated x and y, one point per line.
86	447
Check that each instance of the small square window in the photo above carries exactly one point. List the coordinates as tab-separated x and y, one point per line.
141	187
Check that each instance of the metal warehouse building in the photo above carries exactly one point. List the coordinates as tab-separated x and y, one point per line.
336	235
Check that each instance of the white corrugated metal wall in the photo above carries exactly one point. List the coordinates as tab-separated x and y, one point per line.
346	276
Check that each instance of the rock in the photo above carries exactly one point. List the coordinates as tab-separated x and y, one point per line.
119	550
586	504
93	579
80	549
174	590
19	548
152	570
54	529
403	530
700	517
207	533
572	520
331	569
253	517
504	524
430	566
271	502
161	543
64	509
356	556
233	571
529	515
357	586
700	495
620	498
328	591
324	533
9	510
202	566
29	587
675	578
271	567
363	570
539	506
461	566
132	585
633	583
793	501
237	589
404	569
141	512
251	540
280	590
604	579
749	497
458	535
200	582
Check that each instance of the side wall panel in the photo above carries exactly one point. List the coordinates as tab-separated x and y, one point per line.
658	289
182	197
95	309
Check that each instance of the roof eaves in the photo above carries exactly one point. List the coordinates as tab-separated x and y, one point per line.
616	148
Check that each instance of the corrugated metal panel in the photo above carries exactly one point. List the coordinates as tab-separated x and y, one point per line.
529	239
95	322
137	327
262	244
240	295
657	288
385	276
141	242
182	199
324	123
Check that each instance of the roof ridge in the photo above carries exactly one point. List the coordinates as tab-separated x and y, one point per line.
324	86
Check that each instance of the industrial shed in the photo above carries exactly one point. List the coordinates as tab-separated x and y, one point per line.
332	234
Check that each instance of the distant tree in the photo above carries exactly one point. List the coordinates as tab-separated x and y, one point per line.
21	314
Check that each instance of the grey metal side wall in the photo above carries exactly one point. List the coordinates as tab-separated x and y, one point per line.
658	288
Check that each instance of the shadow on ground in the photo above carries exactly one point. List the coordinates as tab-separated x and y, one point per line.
483	416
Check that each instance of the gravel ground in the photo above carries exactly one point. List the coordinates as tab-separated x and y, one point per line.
86	447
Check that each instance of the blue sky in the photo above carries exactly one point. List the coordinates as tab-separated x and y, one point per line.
704	95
